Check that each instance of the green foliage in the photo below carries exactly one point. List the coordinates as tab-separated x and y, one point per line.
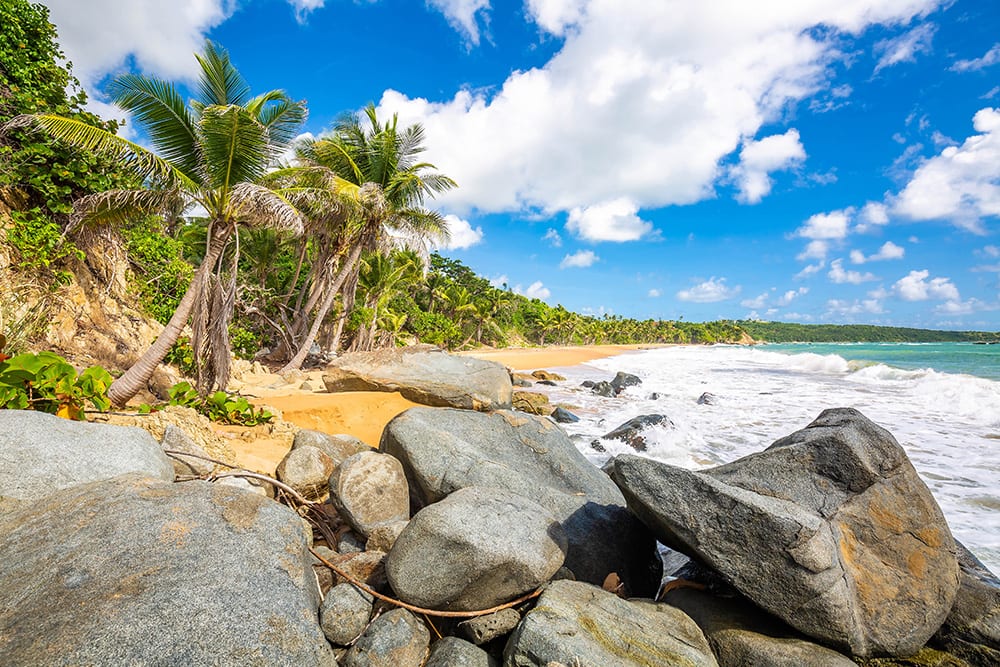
48	383
161	274
244	342
219	406
181	355
787	332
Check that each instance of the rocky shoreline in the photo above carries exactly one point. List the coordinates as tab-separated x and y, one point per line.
826	548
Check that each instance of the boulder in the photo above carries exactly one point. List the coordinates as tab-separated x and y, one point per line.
532	402
477	548
454	652
176	440
397	638
547	383
41	454
425	375
603	388
482	629
707	399
830	529
345	613
307	470
369	489
548	376
972	629
446	450
337	447
564	416
622	380
579	624
742	634
139	571
631	432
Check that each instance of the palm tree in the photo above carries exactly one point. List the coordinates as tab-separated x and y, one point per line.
210	153
374	166
381	277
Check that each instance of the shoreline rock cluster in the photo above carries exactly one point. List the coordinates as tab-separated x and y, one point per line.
823	549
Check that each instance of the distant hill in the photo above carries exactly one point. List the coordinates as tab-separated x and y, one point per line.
787	332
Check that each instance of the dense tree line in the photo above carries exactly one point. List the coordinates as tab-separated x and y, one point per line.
788	332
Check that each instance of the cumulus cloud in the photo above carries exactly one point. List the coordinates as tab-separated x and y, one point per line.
962	183
811	269
552	236
826	226
889	250
839	275
791	295
915	287
844	308
500	281
712	290
580	259
536	290
463	15
614	220
906	47
991	57
654	293
642	101
872	216
783	300
758	301
759	159
463	235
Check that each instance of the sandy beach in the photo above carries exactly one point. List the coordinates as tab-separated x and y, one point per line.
532	358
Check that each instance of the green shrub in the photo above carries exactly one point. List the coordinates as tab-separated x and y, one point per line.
48	383
219	406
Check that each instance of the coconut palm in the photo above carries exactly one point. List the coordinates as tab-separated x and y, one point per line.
211	153
374	166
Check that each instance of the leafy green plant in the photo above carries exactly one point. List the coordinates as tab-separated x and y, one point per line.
48	383
219	406
181	355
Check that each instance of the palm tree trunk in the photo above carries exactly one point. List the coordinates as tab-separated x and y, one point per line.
295	362
137	376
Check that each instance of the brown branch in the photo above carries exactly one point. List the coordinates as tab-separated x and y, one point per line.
421	610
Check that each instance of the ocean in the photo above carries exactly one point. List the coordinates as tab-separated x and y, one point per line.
940	400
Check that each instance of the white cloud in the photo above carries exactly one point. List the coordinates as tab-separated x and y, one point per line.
844	308
304	7
889	250
811	269
759	158
462	233
614	220
580	259
962	183
463	15
991	57
958	307
872	216
915	287
709	291
536	290
758	301
552	236
838	275
906	47
654	293
500	281
826	226
814	250
643	101
791	295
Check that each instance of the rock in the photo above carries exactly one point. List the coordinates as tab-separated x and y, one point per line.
588	384
631	432
139	571
324	575
604	389
244	484
547	376
707	399
972	629
579	624
521	382
177	440
426	375
368	489
337	447
454	652
532	403
344	614
351	543
397	638
622	380
564	416
477	548
926	657
547	383
482	629
41	454
307	470
829	529
742	634
446	450
383	536
195	425
368	567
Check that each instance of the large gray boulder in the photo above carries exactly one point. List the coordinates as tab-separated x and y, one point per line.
830	529
41	453
475	549
972	629
425	375
578	624
369	489
742	634
443	451
135	571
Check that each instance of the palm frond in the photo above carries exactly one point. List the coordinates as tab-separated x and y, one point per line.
220	83
281	115
160	111
235	148
118	207
258	206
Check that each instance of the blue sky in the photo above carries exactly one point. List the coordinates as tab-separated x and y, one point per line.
800	160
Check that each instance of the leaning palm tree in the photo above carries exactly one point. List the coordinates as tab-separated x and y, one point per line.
211	153
374	166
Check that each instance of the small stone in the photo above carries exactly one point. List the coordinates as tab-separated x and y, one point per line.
344	614
532	402
622	380
384	536
604	389
455	652
369	488
324	575
307	470
337	447
482	629
397	638
350	543
564	416
547	376
368	567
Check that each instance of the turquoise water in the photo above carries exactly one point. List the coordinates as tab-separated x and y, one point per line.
965	358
